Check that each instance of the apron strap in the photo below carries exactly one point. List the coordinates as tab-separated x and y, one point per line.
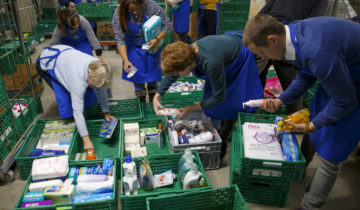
52	57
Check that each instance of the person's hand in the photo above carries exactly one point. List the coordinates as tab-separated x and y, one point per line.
156	103
72	5
271	105
303	127
101	58
188	109
127	66
109	117
168	2
152	43
87	143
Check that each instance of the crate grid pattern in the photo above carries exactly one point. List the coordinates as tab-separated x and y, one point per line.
27	116
14	56
233	15
158	164
108	204
225	198
8	137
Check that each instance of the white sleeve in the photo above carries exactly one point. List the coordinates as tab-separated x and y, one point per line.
77	103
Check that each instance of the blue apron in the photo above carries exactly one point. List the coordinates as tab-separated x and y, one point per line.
77	40
242	84
62	96
148	65
181	17
334	142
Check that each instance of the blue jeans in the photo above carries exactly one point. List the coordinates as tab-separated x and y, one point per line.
141	86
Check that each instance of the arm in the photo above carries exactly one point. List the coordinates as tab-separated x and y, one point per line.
297	88
103	99
85	25
334	76
166	83
56	36
318	9
267	7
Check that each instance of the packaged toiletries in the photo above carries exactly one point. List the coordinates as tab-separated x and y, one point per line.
80	156
253	103
36	203
41	152
168	111
33	196
151	29
133	69
90	155
299	117
139	152
289	147
202	138
175	137
163	179
129	165
92	178
69	181
142	139
129	147
95	187
187	154
41	186
108	167
47	168
130	183
260	142
192	178
59	194
131	129
108	128
146	176
91	197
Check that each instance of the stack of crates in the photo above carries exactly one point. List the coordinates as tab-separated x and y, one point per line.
13	56
233	15
261	181
95	12
45	26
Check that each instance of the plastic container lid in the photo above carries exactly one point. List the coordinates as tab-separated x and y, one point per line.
128	159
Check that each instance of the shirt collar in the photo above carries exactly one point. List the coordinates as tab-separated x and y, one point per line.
290	53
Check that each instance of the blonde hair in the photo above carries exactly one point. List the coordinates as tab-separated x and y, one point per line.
258	28
176	57
99	73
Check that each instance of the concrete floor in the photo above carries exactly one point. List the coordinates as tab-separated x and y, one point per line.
345	194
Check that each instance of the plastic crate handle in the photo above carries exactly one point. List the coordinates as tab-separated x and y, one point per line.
185	93
272	164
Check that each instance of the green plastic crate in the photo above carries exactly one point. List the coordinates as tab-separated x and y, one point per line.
94	12
233	6
27	116
148	112
152	149
23	161
231	26
3	94
168	39
14	56
120	109
270	169
109	204
280	111
49	13
45	26
158	164
263	191
225	198
8	137
308	96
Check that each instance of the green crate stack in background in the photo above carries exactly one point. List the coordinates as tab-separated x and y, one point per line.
129	108
233	15
13	56
262	181
152	149
308	96
8	137
221	198
45	26
108	204
158	164
3	95
23	161
95	12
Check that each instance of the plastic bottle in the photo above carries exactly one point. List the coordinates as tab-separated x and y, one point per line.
169	111
131	184
133	70
253	103
202	138
201	183
191	178
129	165
90	155
187	135
186	154
301	116
15	112
175	137
186	167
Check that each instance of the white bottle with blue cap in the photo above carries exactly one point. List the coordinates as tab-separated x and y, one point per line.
129	165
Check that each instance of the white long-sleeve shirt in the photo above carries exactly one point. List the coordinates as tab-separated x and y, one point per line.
71	71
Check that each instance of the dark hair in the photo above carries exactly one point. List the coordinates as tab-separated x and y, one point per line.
66	16
123	9
258	28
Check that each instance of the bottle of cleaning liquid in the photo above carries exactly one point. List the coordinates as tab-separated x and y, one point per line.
186	167
90	155
129	165
253	103
182	160
201	183
202	138
191	178
301	116
131	184
175	137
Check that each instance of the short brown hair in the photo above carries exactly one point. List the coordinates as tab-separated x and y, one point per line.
66	16
176	57
258	28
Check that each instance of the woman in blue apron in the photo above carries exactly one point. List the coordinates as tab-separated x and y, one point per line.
69	73
127	24
229	70
74	30
181	18
330	55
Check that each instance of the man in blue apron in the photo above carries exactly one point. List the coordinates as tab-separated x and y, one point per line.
69	73
324	49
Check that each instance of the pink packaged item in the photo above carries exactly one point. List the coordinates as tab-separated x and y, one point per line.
273	88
